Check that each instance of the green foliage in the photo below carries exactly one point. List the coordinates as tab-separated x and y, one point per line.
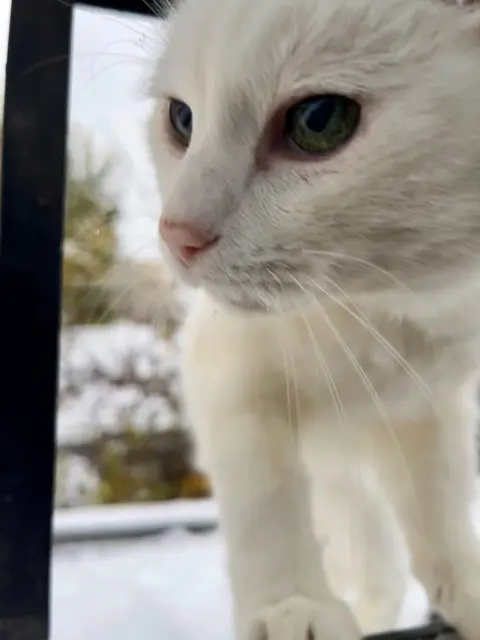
131	466
90	246
145	467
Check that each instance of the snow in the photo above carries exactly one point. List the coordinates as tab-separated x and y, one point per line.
76	481
93	359
136	519
168	587
114	377
173	587
110	344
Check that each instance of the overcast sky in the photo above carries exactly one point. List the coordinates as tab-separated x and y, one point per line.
112	56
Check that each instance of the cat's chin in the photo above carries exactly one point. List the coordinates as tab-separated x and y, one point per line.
249	308
239	301
236	300
242	304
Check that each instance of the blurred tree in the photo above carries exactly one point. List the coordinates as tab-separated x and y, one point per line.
90	244
120	463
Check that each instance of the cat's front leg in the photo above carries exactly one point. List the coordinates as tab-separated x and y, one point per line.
237	396
429	471
279	587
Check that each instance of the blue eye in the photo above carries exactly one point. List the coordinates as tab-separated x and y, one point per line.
321	124
181	121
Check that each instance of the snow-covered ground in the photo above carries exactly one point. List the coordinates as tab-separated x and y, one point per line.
170	587
132	520
173	587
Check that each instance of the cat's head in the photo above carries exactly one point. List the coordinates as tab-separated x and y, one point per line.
309	147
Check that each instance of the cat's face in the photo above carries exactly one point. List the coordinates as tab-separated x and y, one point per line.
327	145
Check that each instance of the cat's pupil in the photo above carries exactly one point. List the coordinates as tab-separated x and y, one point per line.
316	115
181	121
321	124
185	117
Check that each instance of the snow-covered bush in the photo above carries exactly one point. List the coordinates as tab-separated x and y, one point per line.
121	434
120	411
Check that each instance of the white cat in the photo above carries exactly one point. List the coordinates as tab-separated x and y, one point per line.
319	162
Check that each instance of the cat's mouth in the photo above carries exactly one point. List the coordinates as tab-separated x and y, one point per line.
263	286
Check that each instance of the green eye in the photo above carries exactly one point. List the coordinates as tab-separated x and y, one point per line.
181	121
321	124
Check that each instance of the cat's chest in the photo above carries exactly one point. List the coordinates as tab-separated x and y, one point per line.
365	371
323	367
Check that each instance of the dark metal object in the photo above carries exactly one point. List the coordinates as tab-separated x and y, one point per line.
437	630
144	7
31	224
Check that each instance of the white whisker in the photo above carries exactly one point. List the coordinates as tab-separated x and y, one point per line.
396	355
365	263
339	407
287	379
379	405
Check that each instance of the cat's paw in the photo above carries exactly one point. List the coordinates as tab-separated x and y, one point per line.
377	613
298	618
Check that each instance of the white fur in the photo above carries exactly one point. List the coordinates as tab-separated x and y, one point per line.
330	352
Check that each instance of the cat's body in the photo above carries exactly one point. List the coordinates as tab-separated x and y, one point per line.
330	352
338	429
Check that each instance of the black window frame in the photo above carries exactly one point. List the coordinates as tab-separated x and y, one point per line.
31	232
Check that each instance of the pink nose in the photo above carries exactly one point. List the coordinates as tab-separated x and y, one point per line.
184	240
